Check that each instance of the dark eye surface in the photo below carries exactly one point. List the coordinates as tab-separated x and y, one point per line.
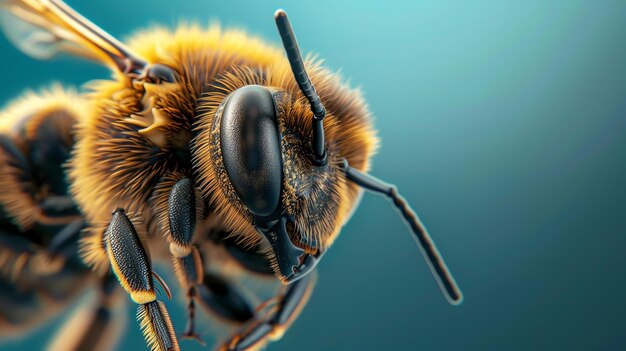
251	151
162	73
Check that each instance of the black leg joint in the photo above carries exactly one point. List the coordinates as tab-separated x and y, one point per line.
128	257
224	299
182	211
292	299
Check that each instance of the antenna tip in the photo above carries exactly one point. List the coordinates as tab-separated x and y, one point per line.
456	300
280	13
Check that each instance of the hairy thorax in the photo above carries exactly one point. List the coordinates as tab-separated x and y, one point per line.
140	136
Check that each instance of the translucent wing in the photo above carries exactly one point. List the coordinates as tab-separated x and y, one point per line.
46	28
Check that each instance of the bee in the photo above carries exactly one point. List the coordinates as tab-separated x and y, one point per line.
207	151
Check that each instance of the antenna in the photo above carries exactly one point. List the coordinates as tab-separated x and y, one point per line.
431	254
304	82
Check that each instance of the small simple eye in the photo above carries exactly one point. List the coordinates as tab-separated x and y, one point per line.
250	143
158	73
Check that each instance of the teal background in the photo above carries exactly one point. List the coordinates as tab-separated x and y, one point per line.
502	122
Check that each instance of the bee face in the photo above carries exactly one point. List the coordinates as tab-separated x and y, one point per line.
262	162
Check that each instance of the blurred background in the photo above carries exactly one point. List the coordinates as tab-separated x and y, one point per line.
504	123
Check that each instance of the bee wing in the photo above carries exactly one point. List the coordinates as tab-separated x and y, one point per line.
46	28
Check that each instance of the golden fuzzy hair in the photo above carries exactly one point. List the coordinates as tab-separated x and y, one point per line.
126	144
19	122
149	316
318	198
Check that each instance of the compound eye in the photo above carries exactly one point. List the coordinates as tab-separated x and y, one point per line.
251	151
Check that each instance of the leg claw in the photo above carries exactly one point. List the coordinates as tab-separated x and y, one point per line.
193	336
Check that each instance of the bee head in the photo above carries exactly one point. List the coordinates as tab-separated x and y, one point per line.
280	174
262	147
261	159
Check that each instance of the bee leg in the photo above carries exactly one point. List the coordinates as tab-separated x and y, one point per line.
190	273
251	260
133	269
190	329
288	306
97	325
182	215
59	206
222	298
19	255
61	248
49	213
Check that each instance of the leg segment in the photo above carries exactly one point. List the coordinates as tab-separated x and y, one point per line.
272	327
225	300
190	272
183	211
55	206
131	265
250	259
